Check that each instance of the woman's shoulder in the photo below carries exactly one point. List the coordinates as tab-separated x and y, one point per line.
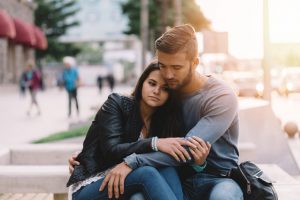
122	99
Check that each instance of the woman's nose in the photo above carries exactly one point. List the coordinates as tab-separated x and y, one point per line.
156	90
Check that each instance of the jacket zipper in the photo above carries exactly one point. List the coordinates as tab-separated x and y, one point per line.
248	182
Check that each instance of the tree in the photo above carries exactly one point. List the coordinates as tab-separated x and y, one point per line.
53	17
162	15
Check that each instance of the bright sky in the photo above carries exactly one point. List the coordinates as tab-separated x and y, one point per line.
242	19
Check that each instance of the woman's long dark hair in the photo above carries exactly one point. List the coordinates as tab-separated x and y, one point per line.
166	121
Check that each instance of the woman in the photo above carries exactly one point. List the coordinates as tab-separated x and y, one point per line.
31	78
126	125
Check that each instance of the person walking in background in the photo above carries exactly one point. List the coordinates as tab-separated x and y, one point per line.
31	79
71	82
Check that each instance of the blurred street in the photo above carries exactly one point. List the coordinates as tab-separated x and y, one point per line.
287	108
18	127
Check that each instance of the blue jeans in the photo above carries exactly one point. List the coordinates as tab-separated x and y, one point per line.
206	186
152	183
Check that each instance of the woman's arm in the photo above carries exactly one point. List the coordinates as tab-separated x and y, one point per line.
108	131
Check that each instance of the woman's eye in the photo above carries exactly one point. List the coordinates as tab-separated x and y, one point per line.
151	83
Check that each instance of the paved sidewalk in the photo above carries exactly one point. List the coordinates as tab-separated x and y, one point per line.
17	127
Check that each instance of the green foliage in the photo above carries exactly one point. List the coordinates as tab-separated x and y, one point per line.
162	16
63	135
52	16
193	15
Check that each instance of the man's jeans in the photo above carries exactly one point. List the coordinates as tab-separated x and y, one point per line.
210	187
155	185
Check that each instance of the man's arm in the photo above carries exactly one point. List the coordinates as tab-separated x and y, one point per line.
160	159
217	119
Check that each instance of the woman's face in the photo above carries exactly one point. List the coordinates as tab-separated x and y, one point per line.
155	90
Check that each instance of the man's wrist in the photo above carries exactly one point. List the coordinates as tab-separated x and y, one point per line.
199	168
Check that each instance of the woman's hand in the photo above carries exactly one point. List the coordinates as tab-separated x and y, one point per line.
73	162
173	147
201	151
115	180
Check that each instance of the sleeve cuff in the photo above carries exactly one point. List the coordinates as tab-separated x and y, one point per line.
199	168
131	161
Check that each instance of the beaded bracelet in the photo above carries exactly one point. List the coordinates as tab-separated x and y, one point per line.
154	144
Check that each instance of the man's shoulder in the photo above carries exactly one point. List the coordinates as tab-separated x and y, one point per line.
219	86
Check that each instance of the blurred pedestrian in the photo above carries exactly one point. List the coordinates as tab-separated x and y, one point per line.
71	82
111	81
22	84
31	79
99	82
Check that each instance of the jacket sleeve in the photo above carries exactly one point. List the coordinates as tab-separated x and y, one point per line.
111	123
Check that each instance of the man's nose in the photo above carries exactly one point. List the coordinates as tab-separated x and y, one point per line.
168	74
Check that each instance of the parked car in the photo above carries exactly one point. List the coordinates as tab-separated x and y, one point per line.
290	81
246	83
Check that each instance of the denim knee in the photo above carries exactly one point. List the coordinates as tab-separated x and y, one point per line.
146	172
227	189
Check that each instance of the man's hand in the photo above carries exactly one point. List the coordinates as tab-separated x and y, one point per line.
73	162
173	147
201	151
115	180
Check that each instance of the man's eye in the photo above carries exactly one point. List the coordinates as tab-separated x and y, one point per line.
161	66
166	89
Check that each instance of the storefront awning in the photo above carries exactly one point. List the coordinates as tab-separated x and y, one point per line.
25	33
41	40
7	28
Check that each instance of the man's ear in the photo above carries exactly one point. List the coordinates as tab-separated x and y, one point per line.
196	62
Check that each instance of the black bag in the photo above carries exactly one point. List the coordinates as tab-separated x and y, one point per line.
253	182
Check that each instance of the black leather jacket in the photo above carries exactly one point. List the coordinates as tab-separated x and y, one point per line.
112	136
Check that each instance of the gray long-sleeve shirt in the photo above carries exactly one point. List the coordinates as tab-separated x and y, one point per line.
210	113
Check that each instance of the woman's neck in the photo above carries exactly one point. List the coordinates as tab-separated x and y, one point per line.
146	113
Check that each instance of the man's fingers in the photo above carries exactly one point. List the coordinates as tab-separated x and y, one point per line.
104	183
201	142
194	154
190	144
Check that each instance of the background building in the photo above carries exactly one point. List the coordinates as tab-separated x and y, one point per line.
19	38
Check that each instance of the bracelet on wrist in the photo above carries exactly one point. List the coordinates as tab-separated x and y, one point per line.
199	168
154	143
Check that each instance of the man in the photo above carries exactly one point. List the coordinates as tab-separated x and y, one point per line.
210	110
71	82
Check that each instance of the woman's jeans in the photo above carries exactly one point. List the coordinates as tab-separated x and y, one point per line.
162	184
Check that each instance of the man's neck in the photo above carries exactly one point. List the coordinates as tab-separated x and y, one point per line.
197	83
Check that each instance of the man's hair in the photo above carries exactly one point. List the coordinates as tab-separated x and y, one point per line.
179	39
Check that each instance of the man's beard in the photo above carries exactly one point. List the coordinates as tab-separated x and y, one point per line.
185	81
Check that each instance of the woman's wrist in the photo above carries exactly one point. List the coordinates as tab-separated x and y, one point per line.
154	143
